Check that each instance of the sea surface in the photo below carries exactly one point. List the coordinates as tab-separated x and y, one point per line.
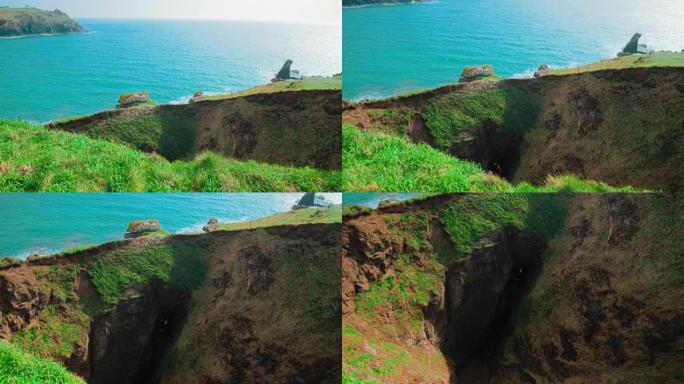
390	50
43	78
53	222
372	200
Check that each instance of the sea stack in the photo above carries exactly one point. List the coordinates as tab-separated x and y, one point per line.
284	73
633	45
307	201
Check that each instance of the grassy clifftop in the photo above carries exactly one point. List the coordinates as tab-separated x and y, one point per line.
33	158
619	122
380	162
298	217
32	21
662	59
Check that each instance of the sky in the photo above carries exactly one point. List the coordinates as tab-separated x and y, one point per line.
291	11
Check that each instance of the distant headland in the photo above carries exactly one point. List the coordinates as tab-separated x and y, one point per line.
34	21
358	3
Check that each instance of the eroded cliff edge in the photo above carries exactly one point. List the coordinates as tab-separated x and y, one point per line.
515	289
624	127
246	306
297	128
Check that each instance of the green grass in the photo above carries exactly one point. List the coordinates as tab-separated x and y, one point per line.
660	59
298	217
454	113
374	162
184	266
306	84
473	217
34	159
63	324
19	367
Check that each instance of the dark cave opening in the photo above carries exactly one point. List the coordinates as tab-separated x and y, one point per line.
483	293
130	341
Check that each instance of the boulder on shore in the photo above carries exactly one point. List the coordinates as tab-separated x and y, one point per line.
141	227
212	225
542	71
132	99
199	95
476	72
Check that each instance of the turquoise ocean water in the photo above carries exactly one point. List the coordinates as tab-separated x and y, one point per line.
53	222
49	77
372	200
390	50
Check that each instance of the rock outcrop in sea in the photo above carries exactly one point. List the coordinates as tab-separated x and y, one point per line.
199	95
476	72
132	99
633	47
212	225
307	201
542	71
142	227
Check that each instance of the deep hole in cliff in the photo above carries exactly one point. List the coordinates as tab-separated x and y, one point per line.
482	293
129	342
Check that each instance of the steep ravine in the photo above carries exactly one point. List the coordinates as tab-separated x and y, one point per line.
224	307
624	127
585	288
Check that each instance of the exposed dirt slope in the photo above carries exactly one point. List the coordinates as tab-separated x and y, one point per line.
515	289
225	307
300	128
621	126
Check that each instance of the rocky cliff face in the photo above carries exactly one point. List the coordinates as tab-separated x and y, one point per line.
32	21
265	309
435	292
623	127
300	128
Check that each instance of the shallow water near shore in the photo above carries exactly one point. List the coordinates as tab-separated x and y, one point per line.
45	78
389	50
49	223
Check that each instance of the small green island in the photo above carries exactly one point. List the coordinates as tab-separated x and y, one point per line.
33	21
